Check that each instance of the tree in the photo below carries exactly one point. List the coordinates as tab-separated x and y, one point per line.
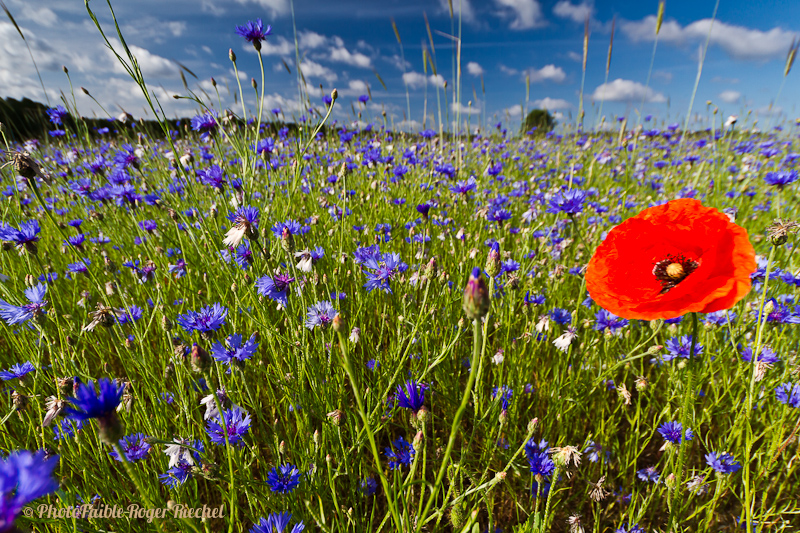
539	120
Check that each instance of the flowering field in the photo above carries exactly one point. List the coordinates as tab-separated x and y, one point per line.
347	328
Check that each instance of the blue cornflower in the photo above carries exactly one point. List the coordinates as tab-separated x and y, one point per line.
264	146
789	394
411	395
57	114
205	124
593	451
237	421
24	477
178	269
781	179
369	486
129	316
89	403
236	351
765	356
66	428
135	447
212	176
723	463
26	235
177	475
382	270
561	316
205	321
463	187
780	313
536	299
648	474
635	528
423	209
277	523
275	288
254	32
245	223
569	202
540	463
673	432
401	454
14	314
606	320
292	226
364	98
284	478
505	393
18	371
320	314
680	347
509	265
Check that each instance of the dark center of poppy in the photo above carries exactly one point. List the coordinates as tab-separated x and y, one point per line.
672	270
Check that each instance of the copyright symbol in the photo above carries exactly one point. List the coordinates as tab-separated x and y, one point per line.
28	512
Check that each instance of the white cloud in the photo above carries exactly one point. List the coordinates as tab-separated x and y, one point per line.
546	73
738	41
508	70
621	90
354	88
276	7
42	16
356	59
514	111
210	6
467	13
464	109
662	75
311	39
730	97
415	80
152	65
273	47
312	69
475	69
552	103
577	13
527	13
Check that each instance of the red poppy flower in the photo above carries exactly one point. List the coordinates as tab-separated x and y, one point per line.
669	260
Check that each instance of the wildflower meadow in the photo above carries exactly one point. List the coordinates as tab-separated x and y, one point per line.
257	320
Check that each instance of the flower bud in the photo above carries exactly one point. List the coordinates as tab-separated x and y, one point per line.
231	55
334	94
476	301
201	361
493	260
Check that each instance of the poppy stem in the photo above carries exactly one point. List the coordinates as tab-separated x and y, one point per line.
688	393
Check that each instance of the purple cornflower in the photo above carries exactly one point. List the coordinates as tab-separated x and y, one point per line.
569	202
13	314
788	394
24	477
561	316
205	321
723	463
177	475
673	432
423	209
680	347
277	523
264	146
463	187
254	32
135	447
237	420
275	288
205	124
401	454
635	528
18	371
364	98
541	465
284	478
131	315
320	314
411	395
236	351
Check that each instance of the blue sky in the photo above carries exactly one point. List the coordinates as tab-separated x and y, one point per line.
344	43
